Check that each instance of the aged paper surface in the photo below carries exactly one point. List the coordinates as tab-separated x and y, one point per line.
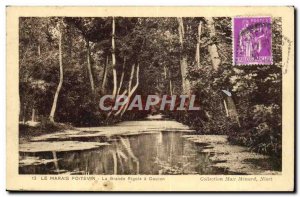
71	69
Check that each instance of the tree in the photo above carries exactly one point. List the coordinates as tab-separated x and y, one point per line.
212	48
113	57
104	76
183	60
165	55
61	75
89	65
197	56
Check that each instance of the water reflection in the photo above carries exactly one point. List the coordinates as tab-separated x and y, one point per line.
151	153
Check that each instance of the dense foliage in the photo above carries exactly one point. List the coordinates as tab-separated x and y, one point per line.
97	51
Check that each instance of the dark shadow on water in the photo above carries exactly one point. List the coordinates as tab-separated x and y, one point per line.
151	153
147	154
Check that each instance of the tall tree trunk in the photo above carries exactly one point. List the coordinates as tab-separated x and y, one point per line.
212	48
113	55
33	106
53	109
183	60
122	76
226	109
128	88
33	115
171	87
104	76
131	91
89	66
115	162
198	44
165	72
170	83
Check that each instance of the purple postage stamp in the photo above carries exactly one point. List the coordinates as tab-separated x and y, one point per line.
252	43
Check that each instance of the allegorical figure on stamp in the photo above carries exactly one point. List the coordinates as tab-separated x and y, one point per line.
252	41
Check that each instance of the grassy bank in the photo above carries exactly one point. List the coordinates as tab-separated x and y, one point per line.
44	127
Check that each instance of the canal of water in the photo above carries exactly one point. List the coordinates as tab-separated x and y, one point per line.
149	153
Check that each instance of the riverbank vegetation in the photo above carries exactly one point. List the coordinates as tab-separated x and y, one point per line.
67	64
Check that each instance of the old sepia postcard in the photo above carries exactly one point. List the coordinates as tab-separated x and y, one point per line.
150	99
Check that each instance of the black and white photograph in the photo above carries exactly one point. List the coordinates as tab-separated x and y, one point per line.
150	98
104	95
